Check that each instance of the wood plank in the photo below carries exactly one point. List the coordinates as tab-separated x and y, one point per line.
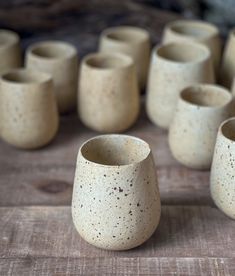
184	231
117	266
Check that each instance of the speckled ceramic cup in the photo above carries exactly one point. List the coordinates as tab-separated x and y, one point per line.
132	41
175	66
195	31
222	180
10	53
61	61
227	71
108	99
28	110
116	203
192	134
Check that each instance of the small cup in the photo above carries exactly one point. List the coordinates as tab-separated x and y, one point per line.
10	53
175	66
132	41
192	134
61	61
116	203
222	179
227	71
195	31
108	96
28	111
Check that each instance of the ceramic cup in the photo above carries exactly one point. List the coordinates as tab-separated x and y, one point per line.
222	180
10	53
116	203
28	110
195	31
61	61
132	41
227	71
108	97
192	134
175	66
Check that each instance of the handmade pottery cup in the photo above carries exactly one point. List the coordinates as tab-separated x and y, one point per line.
61	61
192	134
116	203
175	66
227	71
222	179
108	96
28	110
195	31
132	41
10	53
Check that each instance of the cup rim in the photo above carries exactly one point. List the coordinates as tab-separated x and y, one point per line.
69	50
141	32
211	29
127	60
38	77
115	136
221	131
11	36
216	87
202	48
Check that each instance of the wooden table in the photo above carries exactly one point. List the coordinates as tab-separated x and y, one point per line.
37	236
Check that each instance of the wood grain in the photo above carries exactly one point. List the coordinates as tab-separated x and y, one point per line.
184	232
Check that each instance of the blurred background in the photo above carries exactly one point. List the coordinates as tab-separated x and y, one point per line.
81	21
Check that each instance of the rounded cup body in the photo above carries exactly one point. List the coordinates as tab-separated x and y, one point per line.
174	66
195	31
10	53
222	179
28	111
193	131
108	99
132	41
61	61
116	203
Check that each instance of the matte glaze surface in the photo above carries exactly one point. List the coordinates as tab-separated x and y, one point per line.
28	111
132	41
195	31
192	134
175	66
108	99
222	181
116	203
61	61
10	53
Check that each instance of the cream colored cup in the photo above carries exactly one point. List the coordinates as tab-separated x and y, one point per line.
222	180
61	61
175	66
108	96
28	111
227	71
132	41
195	31
192	134
116	203
10	53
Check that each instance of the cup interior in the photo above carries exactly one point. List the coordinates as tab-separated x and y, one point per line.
206	95
115	150
25	77
228	129
53	50
127	34
183	52
105	61
193	29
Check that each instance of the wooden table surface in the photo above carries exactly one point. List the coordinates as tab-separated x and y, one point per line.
37	236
